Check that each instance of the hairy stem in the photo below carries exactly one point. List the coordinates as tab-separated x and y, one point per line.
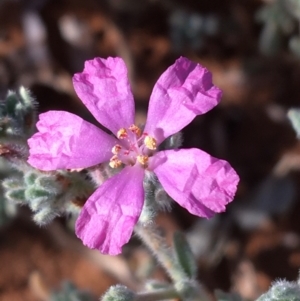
153	239
184	287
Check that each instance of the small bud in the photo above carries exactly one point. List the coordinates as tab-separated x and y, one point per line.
281	291
118	293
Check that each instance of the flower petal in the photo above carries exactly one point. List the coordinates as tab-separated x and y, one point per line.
183	91
197	181
107	219
104	88
66	141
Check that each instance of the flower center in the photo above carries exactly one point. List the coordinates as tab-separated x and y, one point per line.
133	148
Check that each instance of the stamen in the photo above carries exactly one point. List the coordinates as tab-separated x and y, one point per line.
116	149
150	142
122	133
136	130
115	162
143	160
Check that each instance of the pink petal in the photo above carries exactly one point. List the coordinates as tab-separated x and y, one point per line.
183	91
66	141
198	182
107	219
104	88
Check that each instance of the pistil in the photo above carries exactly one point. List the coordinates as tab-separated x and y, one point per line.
133	149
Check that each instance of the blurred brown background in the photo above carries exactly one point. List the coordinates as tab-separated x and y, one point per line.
247	46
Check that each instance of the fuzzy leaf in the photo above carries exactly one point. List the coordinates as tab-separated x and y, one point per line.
36	192
12	183
282	291
45	216
16	195
30	177
37	203
50	184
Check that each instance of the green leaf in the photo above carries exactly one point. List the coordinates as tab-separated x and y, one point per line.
37	192
184	255
12	183
30	177
16	195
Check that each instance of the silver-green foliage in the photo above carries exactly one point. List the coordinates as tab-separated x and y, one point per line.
280	18
48	194
282	291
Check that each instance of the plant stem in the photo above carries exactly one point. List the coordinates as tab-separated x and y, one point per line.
184	287
153	239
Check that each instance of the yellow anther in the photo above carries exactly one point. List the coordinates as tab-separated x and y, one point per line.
150	142
136	130
116	149
122	133
143	160
115	162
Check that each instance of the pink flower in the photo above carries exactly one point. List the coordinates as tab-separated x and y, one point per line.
198	182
